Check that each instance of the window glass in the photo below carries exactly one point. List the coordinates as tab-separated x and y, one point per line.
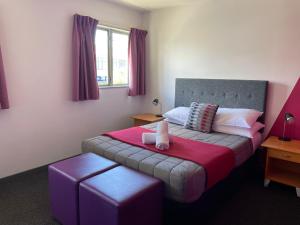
102	56
120	58
112	56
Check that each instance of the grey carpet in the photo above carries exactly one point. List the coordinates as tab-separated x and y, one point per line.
24	201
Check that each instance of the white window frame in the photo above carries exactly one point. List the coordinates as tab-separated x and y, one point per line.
110	31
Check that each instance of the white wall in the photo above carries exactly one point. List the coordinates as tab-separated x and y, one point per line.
43	124
227	39
233	39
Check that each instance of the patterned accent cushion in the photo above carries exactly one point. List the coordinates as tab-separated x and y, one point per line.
201	117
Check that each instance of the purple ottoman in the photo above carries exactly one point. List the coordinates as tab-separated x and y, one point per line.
121	196
64	179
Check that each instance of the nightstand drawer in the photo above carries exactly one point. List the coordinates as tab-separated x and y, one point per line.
274	153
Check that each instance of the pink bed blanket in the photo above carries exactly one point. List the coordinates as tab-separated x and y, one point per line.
218	161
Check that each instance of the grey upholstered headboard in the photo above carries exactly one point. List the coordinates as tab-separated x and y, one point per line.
251	94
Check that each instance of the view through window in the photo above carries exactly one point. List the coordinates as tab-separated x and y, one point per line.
112	56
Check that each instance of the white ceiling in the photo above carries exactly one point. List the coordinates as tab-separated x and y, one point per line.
154	4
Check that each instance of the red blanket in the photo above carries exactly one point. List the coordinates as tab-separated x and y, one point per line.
218	161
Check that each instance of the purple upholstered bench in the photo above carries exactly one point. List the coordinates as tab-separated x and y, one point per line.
64	179
121	196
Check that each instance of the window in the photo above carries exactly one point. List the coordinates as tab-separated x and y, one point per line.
112	56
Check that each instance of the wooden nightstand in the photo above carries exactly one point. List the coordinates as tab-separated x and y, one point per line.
143	119
283	162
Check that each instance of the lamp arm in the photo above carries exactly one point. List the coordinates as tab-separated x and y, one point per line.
284	126
160	108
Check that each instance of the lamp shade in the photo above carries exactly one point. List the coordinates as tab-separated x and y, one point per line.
155	101
289	117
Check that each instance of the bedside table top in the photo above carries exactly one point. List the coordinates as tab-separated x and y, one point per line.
147	117
288	146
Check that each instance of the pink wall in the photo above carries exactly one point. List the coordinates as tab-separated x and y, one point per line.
43	124
292	105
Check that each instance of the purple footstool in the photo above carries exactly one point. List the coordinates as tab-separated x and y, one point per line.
64	179
121	196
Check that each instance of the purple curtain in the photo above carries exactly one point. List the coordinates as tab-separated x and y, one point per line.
4	103
136	60
85	85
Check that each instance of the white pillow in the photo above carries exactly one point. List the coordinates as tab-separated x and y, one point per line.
237	117
245	132
178	115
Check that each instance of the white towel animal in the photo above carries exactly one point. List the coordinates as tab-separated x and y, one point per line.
162	137
150	138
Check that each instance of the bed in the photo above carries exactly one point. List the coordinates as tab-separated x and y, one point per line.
185	180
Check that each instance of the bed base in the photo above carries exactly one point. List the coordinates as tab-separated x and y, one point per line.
212	200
